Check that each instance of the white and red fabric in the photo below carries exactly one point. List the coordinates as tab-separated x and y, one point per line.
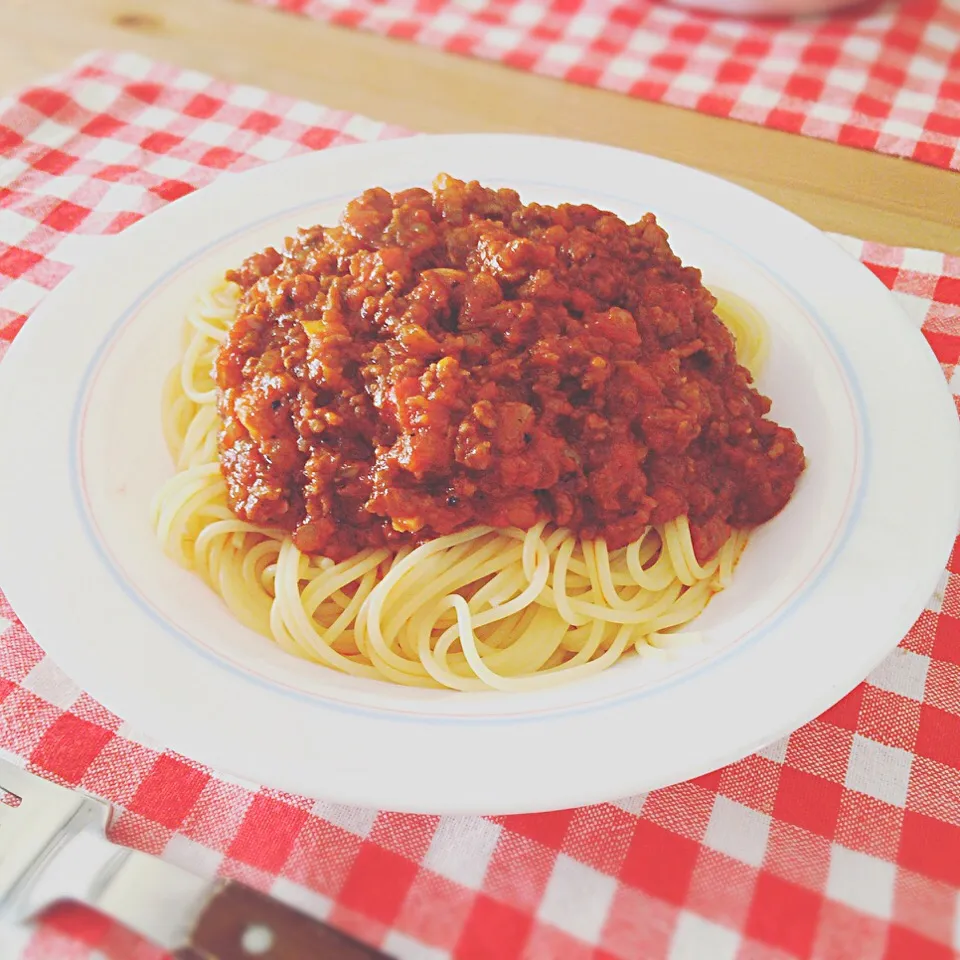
840	841
883	75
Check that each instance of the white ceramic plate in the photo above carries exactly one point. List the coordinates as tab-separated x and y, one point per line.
820	596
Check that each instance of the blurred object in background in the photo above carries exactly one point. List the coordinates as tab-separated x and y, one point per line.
766	8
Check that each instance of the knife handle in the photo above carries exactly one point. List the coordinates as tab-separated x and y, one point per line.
239	923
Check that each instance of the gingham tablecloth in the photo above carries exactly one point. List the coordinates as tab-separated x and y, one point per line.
884	76
841	841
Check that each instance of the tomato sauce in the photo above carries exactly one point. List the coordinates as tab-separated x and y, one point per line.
456	357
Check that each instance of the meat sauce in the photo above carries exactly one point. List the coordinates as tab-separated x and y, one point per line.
453	358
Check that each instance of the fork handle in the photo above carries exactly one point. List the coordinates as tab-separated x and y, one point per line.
238	923
204	919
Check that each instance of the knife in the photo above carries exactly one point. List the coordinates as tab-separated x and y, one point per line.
54	847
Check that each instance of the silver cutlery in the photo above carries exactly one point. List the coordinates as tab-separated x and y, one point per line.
54	847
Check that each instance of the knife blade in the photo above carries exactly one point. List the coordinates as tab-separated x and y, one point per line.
54	847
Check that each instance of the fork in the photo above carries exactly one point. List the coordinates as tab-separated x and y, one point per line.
54	847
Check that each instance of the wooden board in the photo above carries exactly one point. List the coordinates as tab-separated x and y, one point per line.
837	188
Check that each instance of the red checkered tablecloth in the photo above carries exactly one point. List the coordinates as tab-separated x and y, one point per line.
841	841
884	75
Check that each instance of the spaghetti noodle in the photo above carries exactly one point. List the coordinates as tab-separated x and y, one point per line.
481	608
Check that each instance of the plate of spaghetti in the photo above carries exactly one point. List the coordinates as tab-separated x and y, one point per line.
546	472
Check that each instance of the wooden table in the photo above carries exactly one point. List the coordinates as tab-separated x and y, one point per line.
837	188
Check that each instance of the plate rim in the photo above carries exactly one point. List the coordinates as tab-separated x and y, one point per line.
180	211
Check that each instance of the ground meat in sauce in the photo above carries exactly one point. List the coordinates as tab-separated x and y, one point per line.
447	359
